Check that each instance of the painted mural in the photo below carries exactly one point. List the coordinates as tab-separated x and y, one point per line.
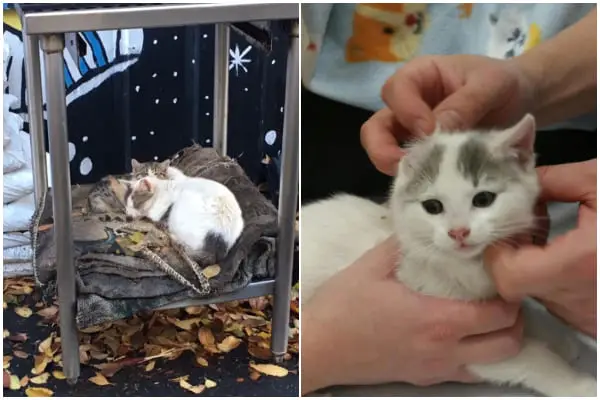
145	93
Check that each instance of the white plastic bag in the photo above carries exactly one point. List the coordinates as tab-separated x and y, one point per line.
17	184
12	161
18	254
14	239
17	215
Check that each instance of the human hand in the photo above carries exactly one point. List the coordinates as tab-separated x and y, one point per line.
458	91
364	327
562	274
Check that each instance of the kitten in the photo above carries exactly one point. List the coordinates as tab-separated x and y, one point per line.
108	193
454	195
202	215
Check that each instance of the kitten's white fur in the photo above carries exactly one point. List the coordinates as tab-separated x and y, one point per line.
337	231
199	207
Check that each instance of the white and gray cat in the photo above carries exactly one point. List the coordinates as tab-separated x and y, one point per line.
200	214
454	195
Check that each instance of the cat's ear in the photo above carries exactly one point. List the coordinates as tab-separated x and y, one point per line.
175	173
135	164
518	141
165	164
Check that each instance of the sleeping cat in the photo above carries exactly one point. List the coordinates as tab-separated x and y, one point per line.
454	194
202	215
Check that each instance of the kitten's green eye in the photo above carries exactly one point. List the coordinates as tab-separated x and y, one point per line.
484	199
433	206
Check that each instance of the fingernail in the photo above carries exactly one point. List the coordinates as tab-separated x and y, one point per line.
449	120
422	128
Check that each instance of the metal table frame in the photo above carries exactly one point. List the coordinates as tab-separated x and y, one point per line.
48	29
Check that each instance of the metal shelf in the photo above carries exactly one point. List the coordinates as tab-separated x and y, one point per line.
46	26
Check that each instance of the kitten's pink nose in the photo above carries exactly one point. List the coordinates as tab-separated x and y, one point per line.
459	234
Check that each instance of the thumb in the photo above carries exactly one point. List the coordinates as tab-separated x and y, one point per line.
381	259
528	270
465	107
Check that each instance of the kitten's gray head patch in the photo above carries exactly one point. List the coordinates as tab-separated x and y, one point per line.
475	161
426	170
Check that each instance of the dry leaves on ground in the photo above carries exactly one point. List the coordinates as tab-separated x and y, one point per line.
145	339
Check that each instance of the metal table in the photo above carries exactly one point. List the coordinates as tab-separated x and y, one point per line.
48	27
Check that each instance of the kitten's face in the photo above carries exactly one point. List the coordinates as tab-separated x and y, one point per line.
138	196
140	170
457	193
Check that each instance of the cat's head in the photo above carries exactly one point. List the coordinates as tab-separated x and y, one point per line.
157	168
455	193
139	195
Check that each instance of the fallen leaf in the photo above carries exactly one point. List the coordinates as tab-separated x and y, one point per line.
99	380
96	355
254	375
48	313
6	333
24	381
239	380
40	364
187	324
45	346
229	343
207	339
58	374
5	379
202	361
15	383
20	354
209	384
96	329
211	271
41	379
18	337
38	392
109	369
259	352
24	311
194	310
7	361
270	369
188	386
150	366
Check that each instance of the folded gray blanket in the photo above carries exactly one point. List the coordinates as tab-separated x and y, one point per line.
126	266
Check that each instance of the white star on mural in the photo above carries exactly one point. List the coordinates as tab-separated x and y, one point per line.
238	60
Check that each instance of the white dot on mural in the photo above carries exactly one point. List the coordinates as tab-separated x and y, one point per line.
133	138
193	61
84	139
272	62
72	151
156	101
207	141
174	73
137	88
151	133
206	97
205	36
175	37
281	109
155	41
154	75
270	137
85	166
155	158
207	114
175	100
245	89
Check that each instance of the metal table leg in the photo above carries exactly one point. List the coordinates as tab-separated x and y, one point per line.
288	202
36	117
53	46
221	89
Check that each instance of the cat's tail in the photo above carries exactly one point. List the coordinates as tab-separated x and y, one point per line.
231	261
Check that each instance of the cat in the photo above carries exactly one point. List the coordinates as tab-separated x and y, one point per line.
108	193
202	215
454	194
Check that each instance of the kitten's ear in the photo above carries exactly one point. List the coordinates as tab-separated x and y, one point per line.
174	173
518	141
165	164
145	186
135	163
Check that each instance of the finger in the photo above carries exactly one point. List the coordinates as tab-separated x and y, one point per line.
527	270
407	91
568	182
378	137
483	317
380	260
467	106
464	376
492	347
